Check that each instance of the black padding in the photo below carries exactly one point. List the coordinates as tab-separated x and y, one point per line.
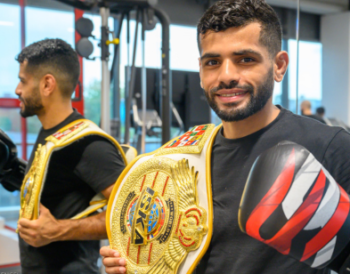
12	179
4	155
11	148
12	169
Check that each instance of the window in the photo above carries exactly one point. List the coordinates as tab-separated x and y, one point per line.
184	52
277	94
43	23
9	118
310	73
9	28
183	56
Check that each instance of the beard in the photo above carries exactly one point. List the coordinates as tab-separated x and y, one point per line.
256	103
31	105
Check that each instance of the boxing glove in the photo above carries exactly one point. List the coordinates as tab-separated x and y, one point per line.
12	168
292	203
4	155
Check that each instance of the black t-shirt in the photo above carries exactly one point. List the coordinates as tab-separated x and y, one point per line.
318	118
232	251
75	174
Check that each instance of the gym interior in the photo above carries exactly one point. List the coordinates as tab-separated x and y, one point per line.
139	76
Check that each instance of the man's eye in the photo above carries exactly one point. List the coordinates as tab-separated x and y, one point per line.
212	63
247	60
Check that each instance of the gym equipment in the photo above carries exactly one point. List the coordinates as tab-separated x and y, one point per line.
145	13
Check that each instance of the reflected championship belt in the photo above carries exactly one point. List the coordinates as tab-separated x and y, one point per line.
159	216
34	180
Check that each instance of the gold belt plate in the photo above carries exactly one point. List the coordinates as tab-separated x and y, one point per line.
31	184
156	220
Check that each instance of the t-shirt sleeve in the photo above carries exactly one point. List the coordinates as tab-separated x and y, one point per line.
100	164
337	159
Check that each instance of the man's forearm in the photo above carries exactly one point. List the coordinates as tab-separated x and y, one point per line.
90	228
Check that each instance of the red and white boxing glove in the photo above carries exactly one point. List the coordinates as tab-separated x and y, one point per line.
294	205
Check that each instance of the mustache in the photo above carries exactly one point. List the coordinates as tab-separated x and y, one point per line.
232	85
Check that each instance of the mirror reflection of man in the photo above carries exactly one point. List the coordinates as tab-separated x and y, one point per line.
240	58
54	243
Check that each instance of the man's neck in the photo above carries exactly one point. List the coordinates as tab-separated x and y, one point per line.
240	129
307	112
54	115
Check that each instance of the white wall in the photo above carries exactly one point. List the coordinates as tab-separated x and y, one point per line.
335	38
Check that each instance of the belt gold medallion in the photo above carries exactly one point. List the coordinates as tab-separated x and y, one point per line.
156	220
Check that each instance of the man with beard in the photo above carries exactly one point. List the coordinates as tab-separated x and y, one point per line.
240	58
54	243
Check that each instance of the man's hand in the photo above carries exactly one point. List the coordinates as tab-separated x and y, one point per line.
112	261
42	231
46	229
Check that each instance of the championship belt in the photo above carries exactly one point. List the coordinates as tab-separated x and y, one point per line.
159	216
34	180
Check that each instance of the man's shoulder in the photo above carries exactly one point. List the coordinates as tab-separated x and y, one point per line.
96	142
308	125
91	141
318	118
308	132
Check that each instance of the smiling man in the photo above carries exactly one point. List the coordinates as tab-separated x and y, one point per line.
237	73
240	59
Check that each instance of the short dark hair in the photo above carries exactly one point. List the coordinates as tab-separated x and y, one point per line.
320	110
236	13
56	57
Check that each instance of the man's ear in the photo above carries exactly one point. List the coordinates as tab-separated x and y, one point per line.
280	65
48	84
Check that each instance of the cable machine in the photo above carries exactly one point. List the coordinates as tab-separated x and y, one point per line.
145	15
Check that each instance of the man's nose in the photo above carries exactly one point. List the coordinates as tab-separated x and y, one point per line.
228	72
18	91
